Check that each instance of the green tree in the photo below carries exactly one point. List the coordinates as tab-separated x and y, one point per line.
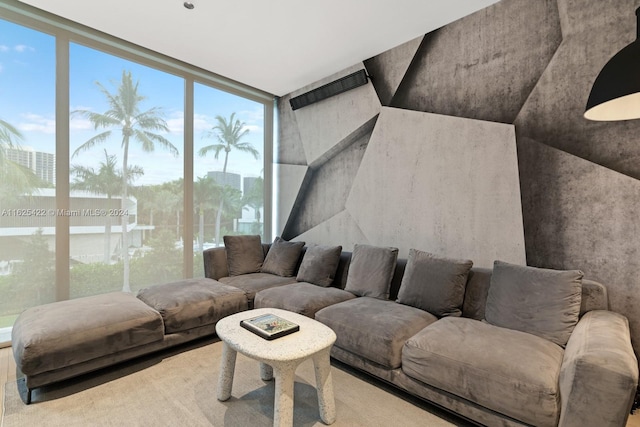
125	117
15	179
107	180
254	198
35	274
205	193
163	263
228	134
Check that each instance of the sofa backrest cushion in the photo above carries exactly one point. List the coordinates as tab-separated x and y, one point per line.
539	301
283	258
371	270
340	279
434	284
319	265
244	254
475	294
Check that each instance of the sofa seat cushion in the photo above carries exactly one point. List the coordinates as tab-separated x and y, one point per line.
511	372
373	328
187	304
65	333
255	282
303	298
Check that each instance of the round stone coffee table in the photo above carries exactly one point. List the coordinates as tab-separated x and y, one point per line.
279	358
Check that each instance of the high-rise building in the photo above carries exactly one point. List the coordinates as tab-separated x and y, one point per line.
42	164
247	183
231	179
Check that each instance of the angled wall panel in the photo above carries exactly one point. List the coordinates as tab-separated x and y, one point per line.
389	68
324	124
579	215
340	229
288	179
289	149
484	65
593	32
442	184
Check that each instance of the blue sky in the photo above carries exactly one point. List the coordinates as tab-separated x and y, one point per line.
27	91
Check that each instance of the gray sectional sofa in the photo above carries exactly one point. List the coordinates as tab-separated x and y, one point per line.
507	346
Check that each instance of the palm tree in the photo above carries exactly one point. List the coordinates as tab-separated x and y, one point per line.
107	180
16	180
124	116
229	134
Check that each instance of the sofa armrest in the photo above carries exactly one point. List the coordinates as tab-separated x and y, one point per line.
215	263
599	373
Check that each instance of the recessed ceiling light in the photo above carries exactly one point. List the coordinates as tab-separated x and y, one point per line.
188	5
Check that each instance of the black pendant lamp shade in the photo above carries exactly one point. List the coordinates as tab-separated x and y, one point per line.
615	94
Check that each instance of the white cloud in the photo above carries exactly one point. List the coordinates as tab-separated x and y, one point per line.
255	129
37	123
80	108
23	48
175	123
201	123
1	67
4	48
77	123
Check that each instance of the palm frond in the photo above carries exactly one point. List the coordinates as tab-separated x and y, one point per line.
92	142
216	148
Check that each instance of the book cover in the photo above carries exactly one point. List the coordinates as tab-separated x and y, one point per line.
269	326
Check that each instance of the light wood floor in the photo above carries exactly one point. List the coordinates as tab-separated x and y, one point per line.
8	373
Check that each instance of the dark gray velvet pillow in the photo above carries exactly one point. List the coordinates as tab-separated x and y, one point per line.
244	254
319	265
434	284
371	270
282	258
539	301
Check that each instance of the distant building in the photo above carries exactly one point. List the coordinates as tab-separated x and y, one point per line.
231	179
42	164
88	215
248	182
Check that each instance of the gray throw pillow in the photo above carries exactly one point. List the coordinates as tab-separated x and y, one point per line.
371	270
244	254
434	284
319	265
282	258
539	301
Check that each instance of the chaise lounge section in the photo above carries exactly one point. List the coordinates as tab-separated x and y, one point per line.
60	340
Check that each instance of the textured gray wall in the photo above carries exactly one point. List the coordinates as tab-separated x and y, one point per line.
530	64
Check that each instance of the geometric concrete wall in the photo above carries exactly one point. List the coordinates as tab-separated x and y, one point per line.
443	184
521	63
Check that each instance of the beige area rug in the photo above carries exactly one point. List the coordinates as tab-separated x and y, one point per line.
179	389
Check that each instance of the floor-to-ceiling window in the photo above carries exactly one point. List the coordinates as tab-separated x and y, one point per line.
27	170
126	156
119	166
228	166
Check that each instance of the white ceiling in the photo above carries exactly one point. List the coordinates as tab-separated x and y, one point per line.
277	46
